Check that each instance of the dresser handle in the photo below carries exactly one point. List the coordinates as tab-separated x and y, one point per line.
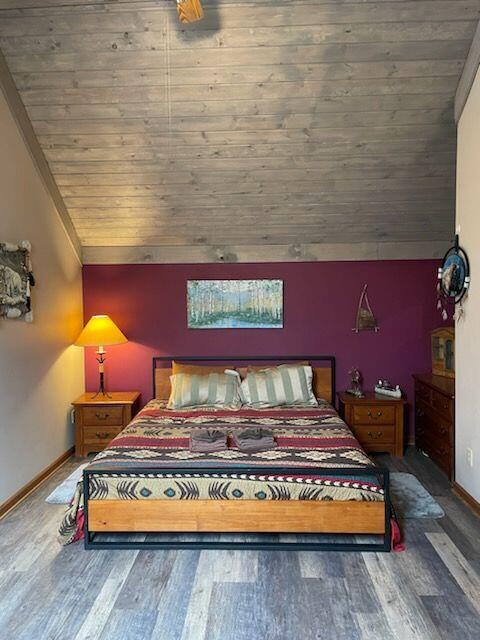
102	416
443	431
375	435
102	435
379	414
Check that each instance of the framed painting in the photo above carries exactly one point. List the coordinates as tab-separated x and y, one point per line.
235	304
16	279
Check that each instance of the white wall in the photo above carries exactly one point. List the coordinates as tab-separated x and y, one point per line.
40	372
468	329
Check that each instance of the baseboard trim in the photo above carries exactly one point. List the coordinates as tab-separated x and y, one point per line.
26	490
466	497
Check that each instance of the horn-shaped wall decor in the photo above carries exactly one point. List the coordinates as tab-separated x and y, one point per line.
365	318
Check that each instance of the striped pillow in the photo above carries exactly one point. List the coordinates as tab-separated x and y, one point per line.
285	385
220	390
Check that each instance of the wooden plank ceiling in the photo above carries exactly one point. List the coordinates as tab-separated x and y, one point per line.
270	130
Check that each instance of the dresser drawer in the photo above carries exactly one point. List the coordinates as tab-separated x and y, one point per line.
97	435
435	428
442	454
103	416
379	434
422	392
373	414
442	433
442	404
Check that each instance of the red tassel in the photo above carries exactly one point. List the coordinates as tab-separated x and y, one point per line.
396	536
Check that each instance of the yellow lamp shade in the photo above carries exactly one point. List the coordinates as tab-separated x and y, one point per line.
100	331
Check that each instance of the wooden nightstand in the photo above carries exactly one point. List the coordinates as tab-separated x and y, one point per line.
98	420
376	420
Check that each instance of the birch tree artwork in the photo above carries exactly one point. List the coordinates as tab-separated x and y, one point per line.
235	304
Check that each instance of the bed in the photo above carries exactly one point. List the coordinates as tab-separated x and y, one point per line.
317	480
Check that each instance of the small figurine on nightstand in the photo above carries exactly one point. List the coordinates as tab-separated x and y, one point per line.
355	383
383	387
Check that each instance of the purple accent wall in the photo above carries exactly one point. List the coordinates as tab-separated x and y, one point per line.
148	302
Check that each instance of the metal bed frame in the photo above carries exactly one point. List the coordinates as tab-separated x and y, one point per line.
93	539
93	542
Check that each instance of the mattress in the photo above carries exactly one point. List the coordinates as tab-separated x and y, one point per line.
313	437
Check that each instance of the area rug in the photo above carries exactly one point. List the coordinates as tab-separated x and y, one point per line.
64	492
410	499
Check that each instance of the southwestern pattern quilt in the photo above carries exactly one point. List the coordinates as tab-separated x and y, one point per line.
159	438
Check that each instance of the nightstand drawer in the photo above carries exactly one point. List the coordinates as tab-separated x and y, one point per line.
371	414
103	416
97	435
99	419
377	421
367	434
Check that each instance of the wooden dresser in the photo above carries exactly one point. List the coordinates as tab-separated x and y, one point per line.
98	420
376	420
435	419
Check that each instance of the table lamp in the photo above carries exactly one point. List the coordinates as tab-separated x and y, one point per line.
100	331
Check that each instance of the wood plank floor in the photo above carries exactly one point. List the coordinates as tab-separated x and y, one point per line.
432	591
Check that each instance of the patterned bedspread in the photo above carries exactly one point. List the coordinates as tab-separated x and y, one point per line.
306	437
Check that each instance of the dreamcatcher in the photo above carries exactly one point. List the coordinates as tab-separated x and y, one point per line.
453	280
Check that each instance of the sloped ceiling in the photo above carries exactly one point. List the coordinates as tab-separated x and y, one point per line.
270	130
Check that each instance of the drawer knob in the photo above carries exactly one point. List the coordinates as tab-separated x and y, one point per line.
102	416
376	435
102	435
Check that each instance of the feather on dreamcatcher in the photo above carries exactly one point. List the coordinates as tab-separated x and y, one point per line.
189	10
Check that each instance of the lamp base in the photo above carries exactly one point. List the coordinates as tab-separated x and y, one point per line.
101	389
104	394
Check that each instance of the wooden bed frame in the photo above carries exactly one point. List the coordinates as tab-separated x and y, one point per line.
242	516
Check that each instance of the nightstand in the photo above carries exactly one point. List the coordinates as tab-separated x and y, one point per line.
376	420
98	420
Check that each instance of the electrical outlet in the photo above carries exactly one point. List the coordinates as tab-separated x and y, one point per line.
469	456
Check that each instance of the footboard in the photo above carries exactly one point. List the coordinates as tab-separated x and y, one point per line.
239	516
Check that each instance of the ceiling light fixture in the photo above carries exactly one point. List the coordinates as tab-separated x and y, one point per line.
189	10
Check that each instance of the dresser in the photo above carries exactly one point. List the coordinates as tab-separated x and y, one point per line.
435	419
99	419
376	420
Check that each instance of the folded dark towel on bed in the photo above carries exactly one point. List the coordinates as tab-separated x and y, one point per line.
253	440
208	440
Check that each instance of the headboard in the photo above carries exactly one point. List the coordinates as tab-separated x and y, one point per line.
323	370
